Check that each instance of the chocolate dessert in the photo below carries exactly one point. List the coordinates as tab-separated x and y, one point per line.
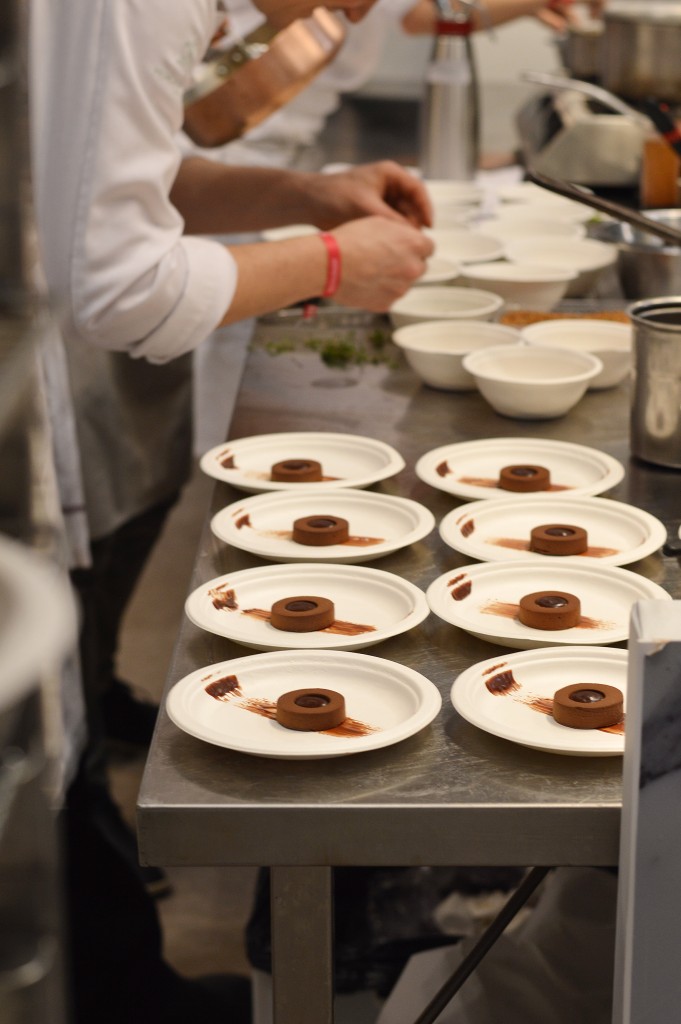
524	478
310	710
549	609
318	531
297	471
588	706
302	614
558	539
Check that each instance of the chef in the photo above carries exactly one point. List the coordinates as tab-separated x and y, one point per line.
136	288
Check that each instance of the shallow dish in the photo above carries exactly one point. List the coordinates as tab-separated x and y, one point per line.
371	605
435	349
465	246
536	285
523	714
379	524
499	531
439	271
532	381
442	302
524	224
611	342
459	193
482	599
526	194
387	702
586	256
347	460
470	469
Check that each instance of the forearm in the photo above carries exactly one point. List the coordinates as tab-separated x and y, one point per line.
272	275
422	18
217	199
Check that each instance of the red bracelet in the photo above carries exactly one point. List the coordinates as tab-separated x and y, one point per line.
333	266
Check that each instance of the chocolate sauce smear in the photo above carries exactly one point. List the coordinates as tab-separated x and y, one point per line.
476	481
225	688
507	610
223	597
242	521
502	683
443	469
544	705
460	590
349	728
338	626
467	528
226	460
516	544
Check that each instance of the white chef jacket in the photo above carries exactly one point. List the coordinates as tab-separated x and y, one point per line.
107	79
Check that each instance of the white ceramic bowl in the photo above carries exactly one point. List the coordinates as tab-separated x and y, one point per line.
459	193
528	195
526	223
532	382
444	302
532	285
439	271
464	246
588	257
435	349
612	342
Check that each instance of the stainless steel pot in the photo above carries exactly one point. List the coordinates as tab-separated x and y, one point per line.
238	89
635	55
642	44
646	266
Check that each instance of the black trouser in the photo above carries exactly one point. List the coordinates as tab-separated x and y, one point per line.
104	591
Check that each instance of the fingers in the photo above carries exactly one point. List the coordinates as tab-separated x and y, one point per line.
381	260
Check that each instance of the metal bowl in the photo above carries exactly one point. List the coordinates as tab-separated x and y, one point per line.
646	266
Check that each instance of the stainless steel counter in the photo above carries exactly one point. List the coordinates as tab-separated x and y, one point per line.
449	795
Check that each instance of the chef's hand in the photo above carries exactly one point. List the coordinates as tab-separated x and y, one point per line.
382	189
381	259
560	14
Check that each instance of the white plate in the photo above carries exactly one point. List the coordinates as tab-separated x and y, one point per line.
513	716
470	469
392	699
362	597
379	524
499	531
347	460
488	594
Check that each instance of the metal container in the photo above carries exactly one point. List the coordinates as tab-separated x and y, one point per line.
581	50
641	48
655	428
646	266
450	129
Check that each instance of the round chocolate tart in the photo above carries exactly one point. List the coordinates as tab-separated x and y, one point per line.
302	614
524	478
297	471
549	609
318	531
310	710
558	539
588	706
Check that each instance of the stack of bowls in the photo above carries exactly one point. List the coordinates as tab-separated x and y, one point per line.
435	349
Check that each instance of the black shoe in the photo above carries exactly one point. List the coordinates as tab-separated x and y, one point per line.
127	719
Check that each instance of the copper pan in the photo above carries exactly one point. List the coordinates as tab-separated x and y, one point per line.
239	88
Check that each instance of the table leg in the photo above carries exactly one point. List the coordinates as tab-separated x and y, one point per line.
302	945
